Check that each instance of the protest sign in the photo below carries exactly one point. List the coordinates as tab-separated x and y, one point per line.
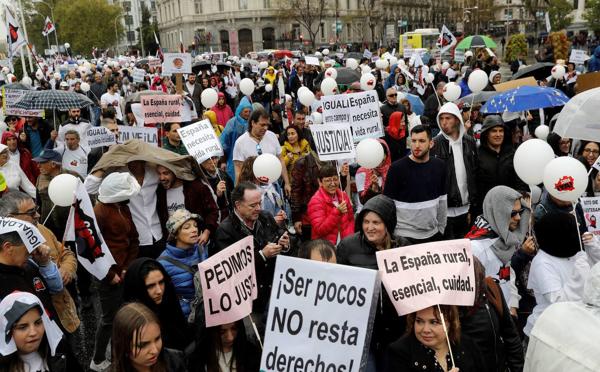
161	109
99	137
361	110
591	212
333	141
311	60
320	317
200	140
145	134
138	75
578	57
177	63
29	234
229	283
10	97
418	276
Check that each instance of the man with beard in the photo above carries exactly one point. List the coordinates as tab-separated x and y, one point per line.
418	183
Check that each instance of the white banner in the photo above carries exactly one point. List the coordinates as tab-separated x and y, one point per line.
361	110
320	316
145	134
83	231
100	137
177	63
333	141
200	140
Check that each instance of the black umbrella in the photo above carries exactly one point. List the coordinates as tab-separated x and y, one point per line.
347	76
52	100
539	71
200	65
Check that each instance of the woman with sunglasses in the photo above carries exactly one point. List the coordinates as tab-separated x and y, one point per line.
500	232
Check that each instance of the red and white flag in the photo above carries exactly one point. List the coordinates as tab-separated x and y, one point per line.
83	233
446	40
48	27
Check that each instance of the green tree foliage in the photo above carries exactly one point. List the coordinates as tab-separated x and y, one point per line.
517	46
560	11
592	15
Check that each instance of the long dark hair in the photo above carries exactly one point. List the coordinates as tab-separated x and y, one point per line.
127	328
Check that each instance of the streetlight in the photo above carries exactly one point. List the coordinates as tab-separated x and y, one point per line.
51	16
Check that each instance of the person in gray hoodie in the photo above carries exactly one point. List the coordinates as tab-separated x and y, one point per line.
459	151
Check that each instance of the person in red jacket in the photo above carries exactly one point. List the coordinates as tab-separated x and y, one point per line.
23	154
329	210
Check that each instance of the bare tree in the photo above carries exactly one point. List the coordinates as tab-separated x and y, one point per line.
308	13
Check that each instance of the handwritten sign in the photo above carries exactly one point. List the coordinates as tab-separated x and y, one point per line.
201	141
418	276
146	134
333	141
319	315
229	283
177	63
361	110
161	109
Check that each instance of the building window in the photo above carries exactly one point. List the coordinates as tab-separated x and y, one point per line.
198	6
243	4
221	7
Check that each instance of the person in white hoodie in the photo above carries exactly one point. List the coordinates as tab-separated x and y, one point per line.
459	151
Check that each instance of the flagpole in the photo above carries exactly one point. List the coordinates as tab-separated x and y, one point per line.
26	36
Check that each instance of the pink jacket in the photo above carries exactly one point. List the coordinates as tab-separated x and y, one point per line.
326	220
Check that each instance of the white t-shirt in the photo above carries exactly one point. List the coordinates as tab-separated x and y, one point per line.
113	100
74	160
175	200
246	146
547	274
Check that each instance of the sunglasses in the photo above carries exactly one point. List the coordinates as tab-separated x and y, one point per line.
519	212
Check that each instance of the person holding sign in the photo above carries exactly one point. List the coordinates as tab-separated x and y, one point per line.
425	347
330	210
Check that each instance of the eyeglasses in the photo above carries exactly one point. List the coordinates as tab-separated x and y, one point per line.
519	212
31	212
393	95
258	149
590	151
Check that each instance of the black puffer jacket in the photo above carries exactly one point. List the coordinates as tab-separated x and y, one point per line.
265	231
496	336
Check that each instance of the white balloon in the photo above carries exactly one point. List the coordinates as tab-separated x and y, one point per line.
365	69
429	78
247	86
369	153
329	86
305	96
542	132
565	178
530	159
452	92
27	81
325	52
478	80
558	71
317	117
351	63
209	98
85	87
268	88
62	189
267	168
331	72
367	82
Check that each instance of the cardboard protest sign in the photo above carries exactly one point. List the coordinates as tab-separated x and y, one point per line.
591	212
138	75
10	97
587	81
29	234
320	314
423	275
229	283
333	141
177	63
161	109
361	110
528	81
99	137
146	134
201	141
